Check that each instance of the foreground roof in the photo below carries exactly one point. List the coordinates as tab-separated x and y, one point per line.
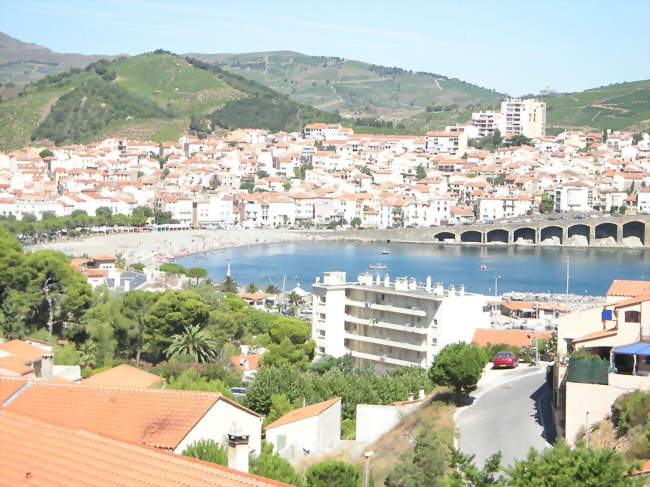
154	417
515	338
33	452
304	413
629	289
123	375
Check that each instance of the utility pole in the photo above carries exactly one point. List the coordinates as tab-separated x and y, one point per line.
496	285
366	467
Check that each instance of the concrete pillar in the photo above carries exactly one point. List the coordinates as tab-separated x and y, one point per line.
511	236
619	233
538	235
456	236
646	234
484	236
565	234
592	234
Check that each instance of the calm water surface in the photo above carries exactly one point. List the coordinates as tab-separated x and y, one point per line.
536	269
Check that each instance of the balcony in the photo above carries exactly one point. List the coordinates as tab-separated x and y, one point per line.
387	342
386	307
387	360
388	326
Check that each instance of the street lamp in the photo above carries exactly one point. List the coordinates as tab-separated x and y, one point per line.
496	285
367	454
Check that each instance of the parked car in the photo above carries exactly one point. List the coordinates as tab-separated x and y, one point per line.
505	359
239	391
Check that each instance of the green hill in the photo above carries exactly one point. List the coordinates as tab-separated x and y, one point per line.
352	87
617	106
152	96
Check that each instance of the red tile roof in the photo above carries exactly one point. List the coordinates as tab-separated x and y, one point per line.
24	351
630	289
153	417
9	386
304	413
515	338
252	361
123	376
595	335
33	452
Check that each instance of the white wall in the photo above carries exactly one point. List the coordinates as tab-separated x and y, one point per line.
220	420
375	420
317	434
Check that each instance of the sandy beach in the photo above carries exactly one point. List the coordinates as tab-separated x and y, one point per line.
151	248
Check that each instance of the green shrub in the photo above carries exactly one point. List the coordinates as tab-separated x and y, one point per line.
630	410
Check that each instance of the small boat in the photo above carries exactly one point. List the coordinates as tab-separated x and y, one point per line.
385	252
378	266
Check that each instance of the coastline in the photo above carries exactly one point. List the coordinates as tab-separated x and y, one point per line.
153	248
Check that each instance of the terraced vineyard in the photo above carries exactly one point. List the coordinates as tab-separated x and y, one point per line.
617	106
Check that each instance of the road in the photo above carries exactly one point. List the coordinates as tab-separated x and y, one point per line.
511	414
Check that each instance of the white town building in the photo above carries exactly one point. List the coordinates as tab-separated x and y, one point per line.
385	324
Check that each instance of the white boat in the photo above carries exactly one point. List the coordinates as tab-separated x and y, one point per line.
378	266
385	252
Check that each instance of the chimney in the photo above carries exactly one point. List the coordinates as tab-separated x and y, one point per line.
238	452
47	366
428	285
421	394
386	280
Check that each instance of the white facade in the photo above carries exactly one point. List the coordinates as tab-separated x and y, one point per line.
453	144
490	209
573	197
523	117
385	324
311	435
222	419
486	123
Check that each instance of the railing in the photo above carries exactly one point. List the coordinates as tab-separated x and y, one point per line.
387	360
387	342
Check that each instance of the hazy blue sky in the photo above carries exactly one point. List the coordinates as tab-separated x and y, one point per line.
515	47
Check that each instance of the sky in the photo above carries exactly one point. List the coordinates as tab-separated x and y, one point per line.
514	47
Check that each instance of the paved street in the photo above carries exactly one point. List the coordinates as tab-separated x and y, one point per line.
508	415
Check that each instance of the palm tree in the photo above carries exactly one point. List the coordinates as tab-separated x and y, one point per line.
293	298
272	289
252	288
195	342
229	285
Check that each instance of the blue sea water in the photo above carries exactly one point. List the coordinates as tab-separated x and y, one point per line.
536	269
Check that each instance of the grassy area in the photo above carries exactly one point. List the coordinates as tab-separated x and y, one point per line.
173	84
352	86
617	106
19	117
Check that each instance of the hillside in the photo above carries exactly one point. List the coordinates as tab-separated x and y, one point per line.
23	62
353	88
617	106
155	96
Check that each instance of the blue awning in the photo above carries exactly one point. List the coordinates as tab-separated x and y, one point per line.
633	349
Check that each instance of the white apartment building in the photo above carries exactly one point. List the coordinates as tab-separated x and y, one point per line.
487	122
573	197
523	117
452	144
385	324
490	209
643	201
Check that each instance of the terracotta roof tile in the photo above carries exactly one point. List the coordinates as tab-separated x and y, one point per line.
515	338
595	335
123	376
24	351
154	417
8	386
303	413
37	453
628	288
252	361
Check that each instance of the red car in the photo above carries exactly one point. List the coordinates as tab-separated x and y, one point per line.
505	359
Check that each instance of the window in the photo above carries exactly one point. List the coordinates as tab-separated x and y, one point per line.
321	333
321	349
434	341
633	317
435	323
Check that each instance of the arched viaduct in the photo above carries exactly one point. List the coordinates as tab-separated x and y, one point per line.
629	230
